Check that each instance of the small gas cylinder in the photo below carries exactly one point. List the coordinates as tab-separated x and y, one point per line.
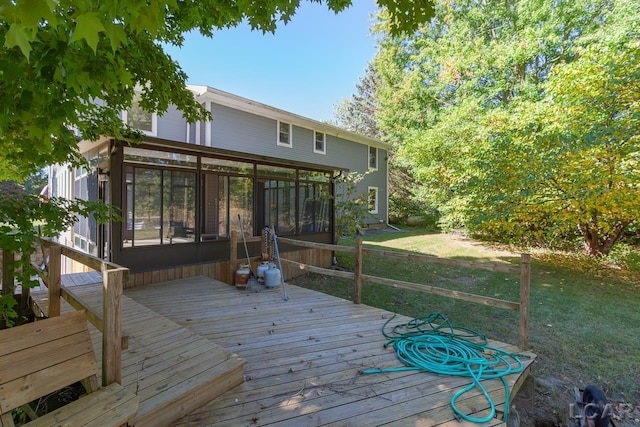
272	277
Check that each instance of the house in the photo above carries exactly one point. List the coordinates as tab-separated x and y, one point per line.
181	190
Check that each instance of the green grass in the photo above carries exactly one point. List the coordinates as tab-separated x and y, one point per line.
585	317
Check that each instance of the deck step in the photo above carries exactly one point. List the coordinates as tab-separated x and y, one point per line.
173	370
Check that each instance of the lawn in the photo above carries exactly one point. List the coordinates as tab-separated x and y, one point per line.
585	317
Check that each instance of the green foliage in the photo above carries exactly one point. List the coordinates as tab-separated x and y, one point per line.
7	309
18	215
350	207
520	119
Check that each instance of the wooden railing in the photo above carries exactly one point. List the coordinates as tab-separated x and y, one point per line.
524	271
109	321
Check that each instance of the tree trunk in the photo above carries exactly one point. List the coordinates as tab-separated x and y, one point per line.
596	245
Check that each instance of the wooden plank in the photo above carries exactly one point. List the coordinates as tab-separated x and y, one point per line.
26	389
316	245
46	355
357	278
110	406
112	321
465	296
525	285
55	265
325	271
33	334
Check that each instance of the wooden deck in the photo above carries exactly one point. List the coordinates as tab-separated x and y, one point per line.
304	357
172	369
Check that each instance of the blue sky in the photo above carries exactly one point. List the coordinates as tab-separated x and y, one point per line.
307	67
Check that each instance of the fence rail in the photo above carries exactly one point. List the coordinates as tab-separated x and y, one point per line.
109	321
524	271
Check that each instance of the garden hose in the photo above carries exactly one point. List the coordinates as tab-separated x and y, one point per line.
433	344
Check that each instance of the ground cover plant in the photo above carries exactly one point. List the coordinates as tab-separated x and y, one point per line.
585	323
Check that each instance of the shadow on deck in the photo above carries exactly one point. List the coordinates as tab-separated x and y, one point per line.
304	359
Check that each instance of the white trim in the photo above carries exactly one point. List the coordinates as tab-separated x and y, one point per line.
290	134
197	135
324	142
377	200
369	158
207	126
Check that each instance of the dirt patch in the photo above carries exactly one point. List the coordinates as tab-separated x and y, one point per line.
546	402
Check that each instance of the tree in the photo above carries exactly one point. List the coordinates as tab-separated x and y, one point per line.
486	99
358	114
69	67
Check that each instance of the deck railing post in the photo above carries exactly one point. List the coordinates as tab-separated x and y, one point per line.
525	286
233	256
112	281
55	268
357	279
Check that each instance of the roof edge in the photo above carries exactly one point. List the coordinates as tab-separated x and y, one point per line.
207	93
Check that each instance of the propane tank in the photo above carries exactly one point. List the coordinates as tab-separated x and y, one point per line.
272	277
262	268
242	276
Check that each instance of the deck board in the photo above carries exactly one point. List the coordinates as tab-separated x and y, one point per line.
170	368
304	358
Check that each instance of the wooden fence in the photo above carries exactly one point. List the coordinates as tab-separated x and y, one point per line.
523	270
109	321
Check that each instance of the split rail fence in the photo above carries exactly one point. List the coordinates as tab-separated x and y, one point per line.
523	270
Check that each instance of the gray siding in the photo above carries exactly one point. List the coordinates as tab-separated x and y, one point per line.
172	125
241	131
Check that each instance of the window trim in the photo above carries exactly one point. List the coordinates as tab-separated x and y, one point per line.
375	168
377	199
282	144
324	142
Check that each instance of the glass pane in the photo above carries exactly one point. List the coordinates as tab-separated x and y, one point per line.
157	157
223	206
314	208
314	176
210	201
137	118
373	200
147	196
280	206
228	166
284	132
179	206
276	172
319	141
241	203
373	157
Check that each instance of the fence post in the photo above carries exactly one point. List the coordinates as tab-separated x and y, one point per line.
357	278
55	264
525	286
233	256
112	282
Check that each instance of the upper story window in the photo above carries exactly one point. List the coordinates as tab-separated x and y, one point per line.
319	143
373	158
284	134
140	119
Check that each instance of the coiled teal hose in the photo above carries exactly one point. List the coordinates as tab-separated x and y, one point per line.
433	344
